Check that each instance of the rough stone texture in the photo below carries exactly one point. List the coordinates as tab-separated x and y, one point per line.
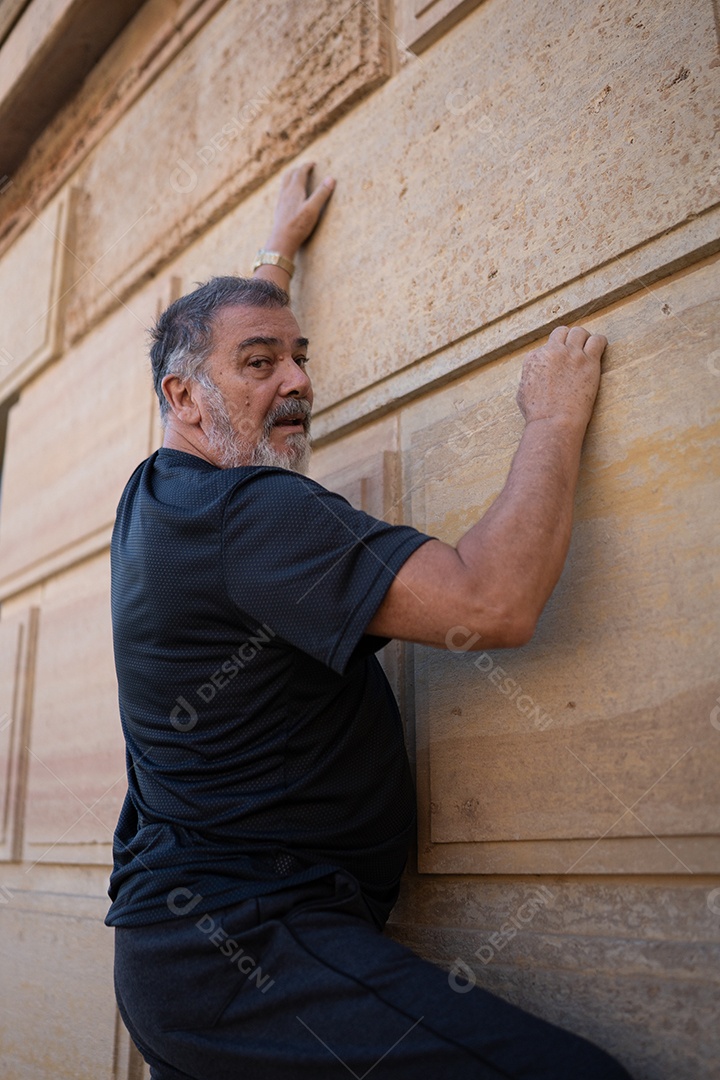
45	59
74	438
18	637
76	780
32	282
620	679
56	968
511	219
477	204
630	964
421	22
208	130
510	177
158	33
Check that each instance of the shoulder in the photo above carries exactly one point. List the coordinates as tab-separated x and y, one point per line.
277	489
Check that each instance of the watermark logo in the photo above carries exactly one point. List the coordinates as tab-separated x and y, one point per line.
459	639
183	706
182	901
512	690
183	715
184	178
461	977
715	715
712	362
713	901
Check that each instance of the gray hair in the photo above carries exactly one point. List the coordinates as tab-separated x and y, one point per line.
182	336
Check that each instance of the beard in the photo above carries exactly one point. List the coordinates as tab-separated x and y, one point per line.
231	450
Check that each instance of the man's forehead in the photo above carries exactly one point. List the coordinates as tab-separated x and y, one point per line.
249	322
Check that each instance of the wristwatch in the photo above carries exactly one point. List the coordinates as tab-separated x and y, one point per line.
274	258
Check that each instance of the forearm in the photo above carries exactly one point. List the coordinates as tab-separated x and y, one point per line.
276	274
517	550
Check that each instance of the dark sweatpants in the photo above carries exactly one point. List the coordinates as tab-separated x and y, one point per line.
301	985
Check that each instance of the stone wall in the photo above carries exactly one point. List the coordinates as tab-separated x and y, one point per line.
527	165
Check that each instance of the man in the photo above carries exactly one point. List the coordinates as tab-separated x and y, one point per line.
270	803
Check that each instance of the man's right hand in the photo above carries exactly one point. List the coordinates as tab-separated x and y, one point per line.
560	379
489	591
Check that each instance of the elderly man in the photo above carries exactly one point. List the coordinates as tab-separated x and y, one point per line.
270	803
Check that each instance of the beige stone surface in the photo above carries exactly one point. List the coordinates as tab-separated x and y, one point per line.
605	727
505	225
421	22
76	780
9	13
49	51
210	129
477	204
74	437
630	964
56	992
153	39
18	639
33	281
487	185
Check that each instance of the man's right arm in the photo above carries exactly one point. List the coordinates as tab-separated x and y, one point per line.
489	590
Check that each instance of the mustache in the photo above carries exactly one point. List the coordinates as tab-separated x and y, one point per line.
296	407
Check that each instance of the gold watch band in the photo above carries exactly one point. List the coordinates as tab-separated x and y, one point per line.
274	258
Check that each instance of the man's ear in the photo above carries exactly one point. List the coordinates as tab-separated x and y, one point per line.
179	394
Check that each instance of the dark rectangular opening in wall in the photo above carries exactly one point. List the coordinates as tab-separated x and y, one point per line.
5	408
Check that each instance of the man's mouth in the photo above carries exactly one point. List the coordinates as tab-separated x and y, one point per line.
295	422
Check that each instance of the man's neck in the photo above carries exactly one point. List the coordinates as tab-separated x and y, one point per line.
177	440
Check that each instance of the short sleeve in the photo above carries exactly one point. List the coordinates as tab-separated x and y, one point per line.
305	563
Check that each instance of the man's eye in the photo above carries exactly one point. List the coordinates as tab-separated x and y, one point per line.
302	360
259	361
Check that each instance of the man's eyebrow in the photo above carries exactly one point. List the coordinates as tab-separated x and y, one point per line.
271	342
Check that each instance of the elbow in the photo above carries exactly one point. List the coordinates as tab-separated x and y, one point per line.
520	633
504	627
513	632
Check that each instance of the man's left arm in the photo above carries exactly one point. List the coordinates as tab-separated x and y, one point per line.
296	215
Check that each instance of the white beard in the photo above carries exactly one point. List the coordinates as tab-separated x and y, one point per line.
230	450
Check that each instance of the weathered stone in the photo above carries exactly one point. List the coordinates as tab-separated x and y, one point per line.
599	726
18	637
74	438
47	55
422	22
77	779
56	971
33	286
539	163
209	130
629	964
486	185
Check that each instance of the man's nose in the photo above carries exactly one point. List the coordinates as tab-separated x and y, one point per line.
296	381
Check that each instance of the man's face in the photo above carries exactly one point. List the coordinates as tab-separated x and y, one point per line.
260	412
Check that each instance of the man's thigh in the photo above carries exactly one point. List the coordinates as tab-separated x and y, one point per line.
317	993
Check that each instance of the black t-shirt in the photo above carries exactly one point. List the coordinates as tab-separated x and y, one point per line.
264	745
